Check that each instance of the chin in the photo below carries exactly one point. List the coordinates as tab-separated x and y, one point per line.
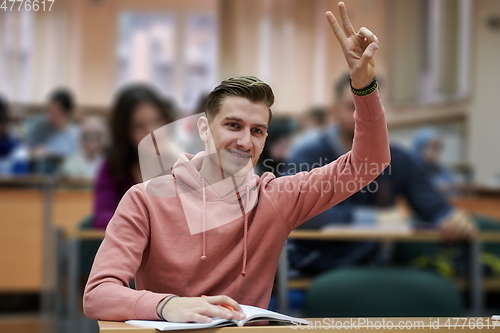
237	170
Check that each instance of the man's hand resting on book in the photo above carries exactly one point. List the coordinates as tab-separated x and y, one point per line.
201	309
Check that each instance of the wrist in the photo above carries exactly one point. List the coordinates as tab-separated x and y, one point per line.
358	84
365	90
161	306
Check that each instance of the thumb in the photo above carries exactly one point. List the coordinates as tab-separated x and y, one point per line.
368	54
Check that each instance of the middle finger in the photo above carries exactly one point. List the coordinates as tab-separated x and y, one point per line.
346	23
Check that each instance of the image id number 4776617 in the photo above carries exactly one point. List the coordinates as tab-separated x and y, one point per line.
26	5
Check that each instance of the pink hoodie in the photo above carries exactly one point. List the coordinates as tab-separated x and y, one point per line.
177	235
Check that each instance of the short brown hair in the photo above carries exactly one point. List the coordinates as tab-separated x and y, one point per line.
248	87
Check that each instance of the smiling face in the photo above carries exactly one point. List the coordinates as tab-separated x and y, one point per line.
235	137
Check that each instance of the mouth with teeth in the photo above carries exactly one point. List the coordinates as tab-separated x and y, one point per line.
239	154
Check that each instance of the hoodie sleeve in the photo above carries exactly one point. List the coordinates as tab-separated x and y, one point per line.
107	295
299	197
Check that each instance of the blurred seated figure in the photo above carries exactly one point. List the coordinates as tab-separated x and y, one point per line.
404	177
86	161
52	137
428	145
312	123
137	111
8	142
314	119
275	151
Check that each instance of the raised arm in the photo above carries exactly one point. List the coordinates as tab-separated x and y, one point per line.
307	194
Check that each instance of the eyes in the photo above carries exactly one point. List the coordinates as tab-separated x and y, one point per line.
234	126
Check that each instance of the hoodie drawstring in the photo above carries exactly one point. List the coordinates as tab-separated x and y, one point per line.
245	234
245	228
204	251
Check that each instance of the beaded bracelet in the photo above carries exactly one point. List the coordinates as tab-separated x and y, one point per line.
165	301
365	91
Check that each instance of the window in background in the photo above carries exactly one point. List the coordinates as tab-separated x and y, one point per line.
431	50
200	54
176	54
146	50
16	31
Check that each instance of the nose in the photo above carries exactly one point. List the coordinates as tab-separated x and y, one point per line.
244	140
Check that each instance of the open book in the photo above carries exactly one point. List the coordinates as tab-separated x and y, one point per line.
253	314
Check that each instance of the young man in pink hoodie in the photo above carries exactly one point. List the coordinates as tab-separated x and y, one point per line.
212	227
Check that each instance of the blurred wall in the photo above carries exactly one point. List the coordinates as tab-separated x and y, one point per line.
484	112
289	44
99	26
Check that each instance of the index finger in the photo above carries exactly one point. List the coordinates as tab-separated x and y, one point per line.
335	27
223	299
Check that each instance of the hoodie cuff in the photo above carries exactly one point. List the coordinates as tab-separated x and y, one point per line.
145	307
368	107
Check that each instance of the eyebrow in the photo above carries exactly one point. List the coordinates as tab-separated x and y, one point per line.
264	126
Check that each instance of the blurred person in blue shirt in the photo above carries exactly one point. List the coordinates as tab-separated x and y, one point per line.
53	137
428	145
405	177
8	142
312	124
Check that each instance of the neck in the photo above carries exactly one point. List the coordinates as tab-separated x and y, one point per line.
61	125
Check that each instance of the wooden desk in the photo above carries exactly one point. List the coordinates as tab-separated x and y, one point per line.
353	234
481	206
424	325
21	239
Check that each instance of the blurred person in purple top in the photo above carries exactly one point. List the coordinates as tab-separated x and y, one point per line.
137	111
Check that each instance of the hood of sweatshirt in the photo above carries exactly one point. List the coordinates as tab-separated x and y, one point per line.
209	206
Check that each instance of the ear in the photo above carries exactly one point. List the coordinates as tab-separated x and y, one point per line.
203	129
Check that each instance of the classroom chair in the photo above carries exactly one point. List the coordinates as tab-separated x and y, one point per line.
382	292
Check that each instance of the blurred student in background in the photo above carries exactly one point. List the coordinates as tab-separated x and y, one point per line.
86	161
137	111
404	177
428	145
8	142
312	123
315	119
278	142
52	137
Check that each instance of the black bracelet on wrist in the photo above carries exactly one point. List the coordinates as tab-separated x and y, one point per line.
164	302
367	90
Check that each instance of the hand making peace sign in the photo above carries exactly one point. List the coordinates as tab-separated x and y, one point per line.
358	48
